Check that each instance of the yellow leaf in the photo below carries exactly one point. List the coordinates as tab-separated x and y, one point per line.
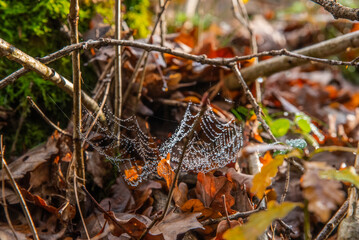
263	179
258	222
345	175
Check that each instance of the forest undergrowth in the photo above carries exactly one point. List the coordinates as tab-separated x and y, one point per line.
236	120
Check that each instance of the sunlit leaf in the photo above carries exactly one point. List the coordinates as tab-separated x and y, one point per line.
303	122
132	174
346	175
164	170
258	222
263	179
280	127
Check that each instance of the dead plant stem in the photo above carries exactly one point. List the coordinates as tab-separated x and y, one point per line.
47	120
6	210
18	193
76	78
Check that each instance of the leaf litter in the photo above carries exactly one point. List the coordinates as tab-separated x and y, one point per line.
312	104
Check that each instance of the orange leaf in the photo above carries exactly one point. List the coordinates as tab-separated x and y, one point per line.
132	173
164	170
192	205
267	158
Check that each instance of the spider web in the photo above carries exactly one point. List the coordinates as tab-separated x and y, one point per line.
136	154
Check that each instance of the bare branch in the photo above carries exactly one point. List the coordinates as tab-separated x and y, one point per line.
18	193
338	10
288	60
47	73
33	104
76	79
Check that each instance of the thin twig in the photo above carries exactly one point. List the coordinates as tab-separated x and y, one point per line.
76	78
139	92
162	24
79	206
97	114
338	10
258	111
47	120
284	194
231	217
325	48
256	107
6	210
333	222
118	68
145	53
226	211
18	193
45	72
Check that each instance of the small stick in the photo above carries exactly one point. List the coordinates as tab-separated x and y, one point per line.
79	207
284	194
33	104
225	210
98	113
231	217
333	222
258	111
118	68
18	193
3	193
256	107
144	54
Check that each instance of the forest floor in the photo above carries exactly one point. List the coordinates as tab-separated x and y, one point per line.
285	182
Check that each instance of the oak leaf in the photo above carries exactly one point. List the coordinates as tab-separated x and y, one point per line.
176	223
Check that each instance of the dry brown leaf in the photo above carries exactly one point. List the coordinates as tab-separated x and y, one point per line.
180	194
132	224
210	189
223	226
33	158
323	195
176	223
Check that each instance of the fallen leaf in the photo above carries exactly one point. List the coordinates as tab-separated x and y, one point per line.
176	223
323	195
38	201
180	194
262	180
132	224
345	175
33	158
223	226
209	190
164	170
258	222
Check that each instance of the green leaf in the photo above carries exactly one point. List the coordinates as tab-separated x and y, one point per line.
346	175
303	122
258	222
280	127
